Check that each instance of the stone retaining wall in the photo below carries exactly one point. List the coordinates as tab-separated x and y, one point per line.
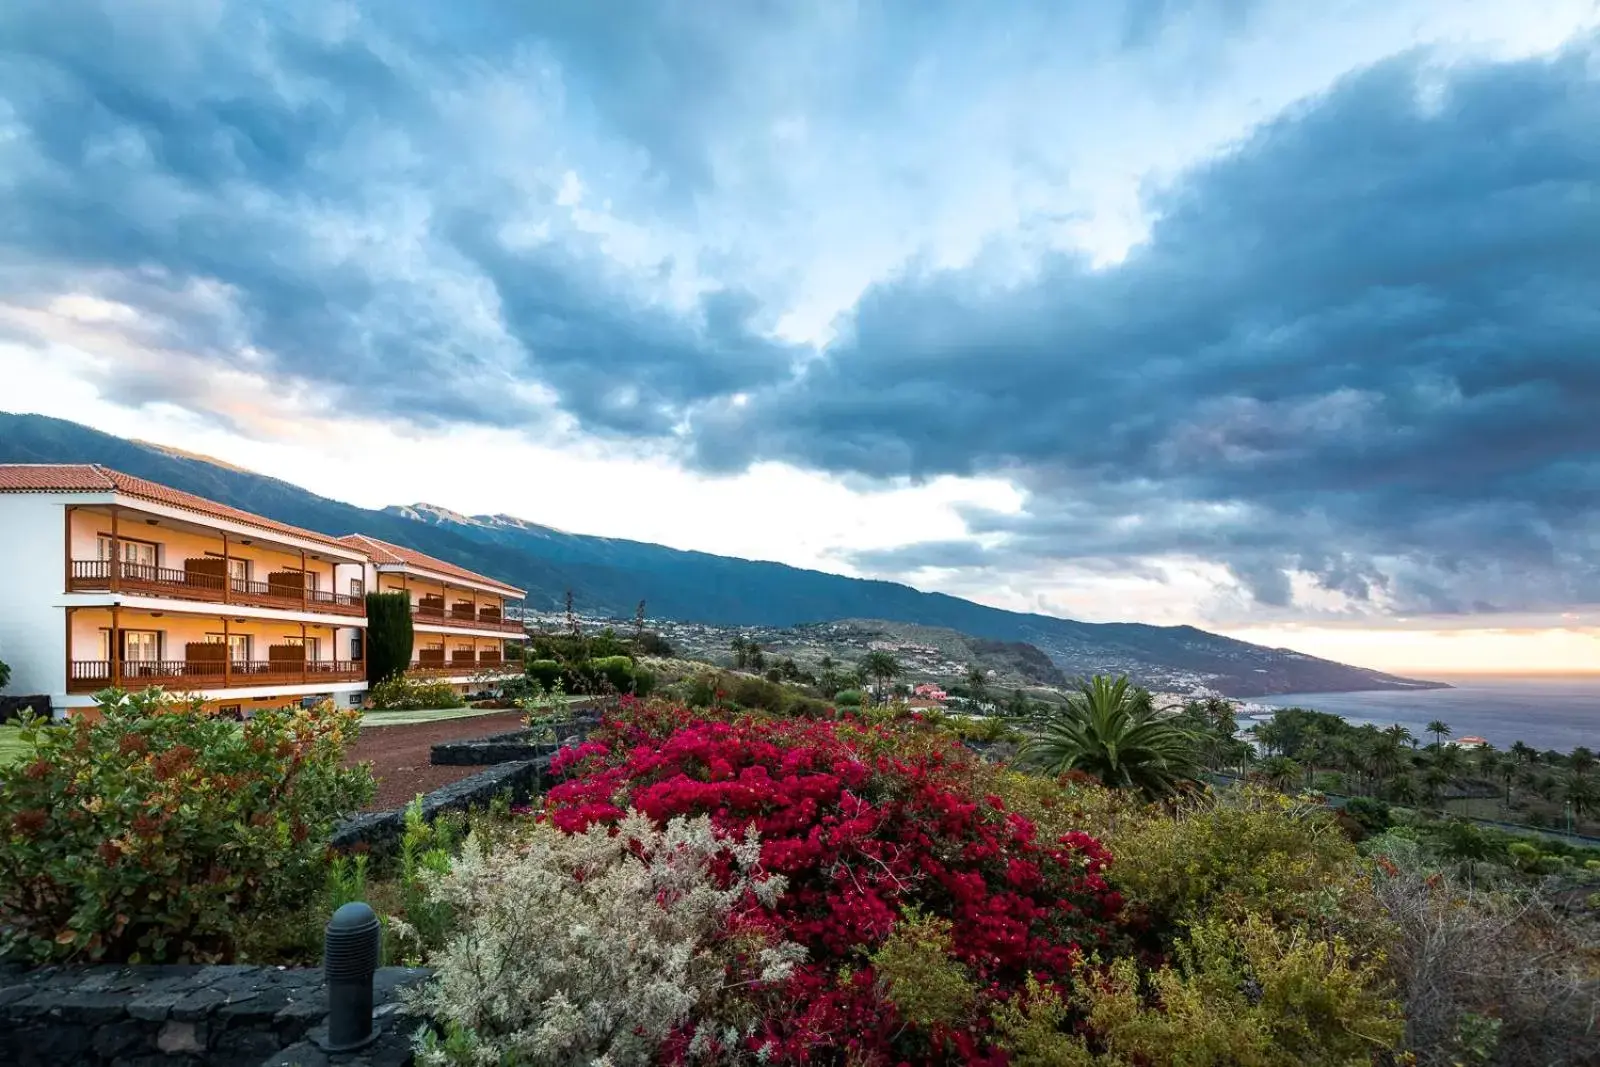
381	830
496	748
13	707
225	1016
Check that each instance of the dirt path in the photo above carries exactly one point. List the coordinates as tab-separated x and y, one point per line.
399	754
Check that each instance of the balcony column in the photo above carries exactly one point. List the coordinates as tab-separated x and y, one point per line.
116	554
116	645
227	576
303	577
227	646
303	648
67	511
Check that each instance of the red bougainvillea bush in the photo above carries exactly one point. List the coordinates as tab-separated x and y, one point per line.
875	837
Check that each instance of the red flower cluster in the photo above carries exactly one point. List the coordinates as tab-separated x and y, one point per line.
860	835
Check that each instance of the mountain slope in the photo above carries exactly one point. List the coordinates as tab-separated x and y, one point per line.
610	575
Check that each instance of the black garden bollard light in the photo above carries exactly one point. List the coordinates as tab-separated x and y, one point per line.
350	957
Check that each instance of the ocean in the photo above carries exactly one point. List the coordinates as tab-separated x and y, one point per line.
1544	711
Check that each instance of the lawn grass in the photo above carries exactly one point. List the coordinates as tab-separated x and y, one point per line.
373	717
411	718
12	747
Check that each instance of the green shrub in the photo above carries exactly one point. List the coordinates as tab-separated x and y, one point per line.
1370	812
151	832
546	672
408	694
1254	852
918	973
389	635
613	671
848	698
1243	992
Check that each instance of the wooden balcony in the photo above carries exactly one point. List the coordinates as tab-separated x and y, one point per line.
140	579
434	666
92	675
465	619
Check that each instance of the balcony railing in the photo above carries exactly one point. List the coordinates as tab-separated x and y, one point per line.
90	675
95	575
434	667
485	619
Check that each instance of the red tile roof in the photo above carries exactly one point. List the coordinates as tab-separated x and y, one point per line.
93	478
385	552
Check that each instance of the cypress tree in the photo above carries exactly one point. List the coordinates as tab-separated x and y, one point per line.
389	635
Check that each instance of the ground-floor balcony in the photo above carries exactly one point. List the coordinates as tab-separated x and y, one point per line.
93	675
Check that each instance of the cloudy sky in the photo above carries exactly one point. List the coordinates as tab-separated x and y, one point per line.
1276	318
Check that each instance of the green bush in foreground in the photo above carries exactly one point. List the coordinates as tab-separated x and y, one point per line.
148	833
407	694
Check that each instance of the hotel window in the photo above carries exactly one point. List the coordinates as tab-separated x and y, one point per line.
141	646
309	642
140	553
238	571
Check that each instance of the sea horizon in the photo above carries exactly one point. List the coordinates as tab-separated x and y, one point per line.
1558	710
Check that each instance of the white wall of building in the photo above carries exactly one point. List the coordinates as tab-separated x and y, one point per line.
33	635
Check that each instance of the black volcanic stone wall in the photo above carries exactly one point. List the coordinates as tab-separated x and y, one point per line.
225	1016
13	707
496	748
380	830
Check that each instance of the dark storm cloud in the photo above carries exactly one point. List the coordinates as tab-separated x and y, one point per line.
230	151
1370	335
1363	345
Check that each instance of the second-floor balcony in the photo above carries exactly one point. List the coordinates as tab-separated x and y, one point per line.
464	616
285	590
185	675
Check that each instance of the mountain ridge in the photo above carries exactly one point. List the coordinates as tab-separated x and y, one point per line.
610	575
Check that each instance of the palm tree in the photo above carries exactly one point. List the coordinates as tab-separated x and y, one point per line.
1388	753
1440	730
1280	771
977	681
1102	730
1581	761
1403	790
1401	735
1271	735
1435	777
738	647
1582	793
881	668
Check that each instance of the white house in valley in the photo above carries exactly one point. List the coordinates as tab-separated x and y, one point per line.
116	580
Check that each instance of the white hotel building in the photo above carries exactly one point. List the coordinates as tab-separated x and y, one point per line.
116	580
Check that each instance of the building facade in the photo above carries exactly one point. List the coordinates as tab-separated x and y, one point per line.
118	581
460	619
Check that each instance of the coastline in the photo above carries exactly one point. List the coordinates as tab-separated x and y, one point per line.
1548	711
